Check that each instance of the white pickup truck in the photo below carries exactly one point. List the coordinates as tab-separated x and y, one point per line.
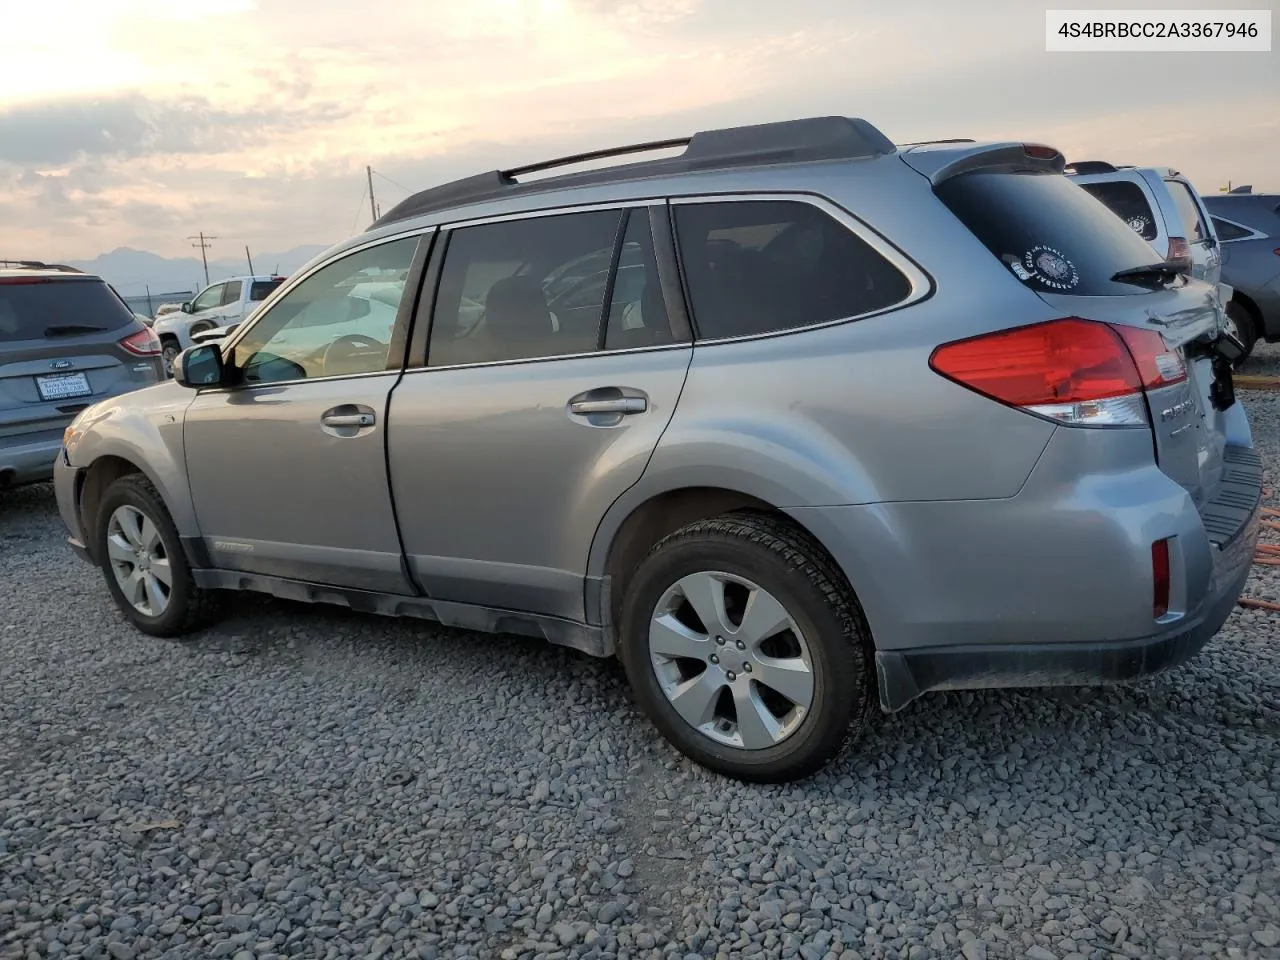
217	305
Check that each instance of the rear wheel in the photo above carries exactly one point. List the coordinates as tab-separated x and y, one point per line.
143	562
1240	325
746	648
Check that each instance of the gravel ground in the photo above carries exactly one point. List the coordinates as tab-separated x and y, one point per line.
304	782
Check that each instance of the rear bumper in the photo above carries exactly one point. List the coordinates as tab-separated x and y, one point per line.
22	463
1053	586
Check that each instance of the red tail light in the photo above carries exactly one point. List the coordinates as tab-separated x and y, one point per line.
1160	577
1180	253
144	343
1072	370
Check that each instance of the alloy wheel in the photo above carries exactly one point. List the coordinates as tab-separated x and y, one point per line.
731	660
139	561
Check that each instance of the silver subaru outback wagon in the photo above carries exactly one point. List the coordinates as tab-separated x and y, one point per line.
796	424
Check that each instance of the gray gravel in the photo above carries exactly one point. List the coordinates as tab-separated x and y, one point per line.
304	782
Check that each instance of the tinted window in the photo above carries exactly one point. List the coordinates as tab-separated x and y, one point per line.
34	310
1048	232
1126	200
523	288
336	322
763	265
231	292
1229	231
637	312
1188	210
261	289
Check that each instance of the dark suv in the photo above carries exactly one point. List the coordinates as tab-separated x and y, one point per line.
66	340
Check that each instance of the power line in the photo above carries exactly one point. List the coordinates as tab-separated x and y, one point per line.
355	221
393	183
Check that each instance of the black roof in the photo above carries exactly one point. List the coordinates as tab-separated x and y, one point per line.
788	141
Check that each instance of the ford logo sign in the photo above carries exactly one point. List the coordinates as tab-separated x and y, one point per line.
60	364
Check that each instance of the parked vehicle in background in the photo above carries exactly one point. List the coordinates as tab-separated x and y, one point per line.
1248	227
217	305
143	319
167	308
1162	207
948	424
66	341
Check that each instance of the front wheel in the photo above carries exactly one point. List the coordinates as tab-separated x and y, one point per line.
143	562
746	648
169	354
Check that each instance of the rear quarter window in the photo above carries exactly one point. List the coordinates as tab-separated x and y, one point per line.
1047	231
1189	210
1127	201
48	309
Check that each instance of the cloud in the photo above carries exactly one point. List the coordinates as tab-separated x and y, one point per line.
127	126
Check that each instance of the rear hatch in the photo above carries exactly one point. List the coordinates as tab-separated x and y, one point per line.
1085	262
66	341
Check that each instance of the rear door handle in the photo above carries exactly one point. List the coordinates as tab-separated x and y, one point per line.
348	419
622	405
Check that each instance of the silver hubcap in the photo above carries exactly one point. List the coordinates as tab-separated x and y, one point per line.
731	660
139	561
169	354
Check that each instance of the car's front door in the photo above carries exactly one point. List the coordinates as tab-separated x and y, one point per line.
287	465
539	403
206	309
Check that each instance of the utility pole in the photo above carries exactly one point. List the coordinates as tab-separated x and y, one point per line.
373	206
151	311
249	258
204	245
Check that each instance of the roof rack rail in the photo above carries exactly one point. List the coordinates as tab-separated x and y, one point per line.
929	143
787	141
1090	166
40	265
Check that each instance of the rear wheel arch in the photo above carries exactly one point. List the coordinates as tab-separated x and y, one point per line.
618	551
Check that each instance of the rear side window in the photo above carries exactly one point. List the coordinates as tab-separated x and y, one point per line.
231	292
523	288
760	266
1229	231
1188	210
55	309
1047	232
261	289
1126	200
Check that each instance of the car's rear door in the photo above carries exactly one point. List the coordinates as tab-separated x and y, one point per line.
287	467
537	402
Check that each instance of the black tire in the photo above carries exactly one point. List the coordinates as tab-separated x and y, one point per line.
190	607
169	350
1243	320
789	564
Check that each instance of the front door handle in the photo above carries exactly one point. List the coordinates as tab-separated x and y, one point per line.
348	419
622	405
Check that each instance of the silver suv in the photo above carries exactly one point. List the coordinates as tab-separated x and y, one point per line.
796	423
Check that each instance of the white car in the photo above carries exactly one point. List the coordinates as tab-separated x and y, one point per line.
217	305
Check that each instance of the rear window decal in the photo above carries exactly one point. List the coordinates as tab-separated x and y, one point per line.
1050	267
1140	224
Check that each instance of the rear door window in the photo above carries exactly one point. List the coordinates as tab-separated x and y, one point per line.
1189	210
760	266
1048	232
231	292
37	309
261	289
1126	200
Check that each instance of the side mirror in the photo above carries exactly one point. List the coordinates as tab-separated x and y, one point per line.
186	306
199	366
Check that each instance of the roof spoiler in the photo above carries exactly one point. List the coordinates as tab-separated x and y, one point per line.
939	163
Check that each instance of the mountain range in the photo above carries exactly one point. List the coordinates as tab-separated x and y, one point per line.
132	271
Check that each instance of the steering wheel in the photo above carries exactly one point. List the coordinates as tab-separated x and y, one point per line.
352	354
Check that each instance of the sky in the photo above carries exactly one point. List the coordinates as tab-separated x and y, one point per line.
140	122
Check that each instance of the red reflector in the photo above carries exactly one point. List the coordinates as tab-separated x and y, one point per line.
1157	364
144	343
1061	361
1039	151
1160	577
